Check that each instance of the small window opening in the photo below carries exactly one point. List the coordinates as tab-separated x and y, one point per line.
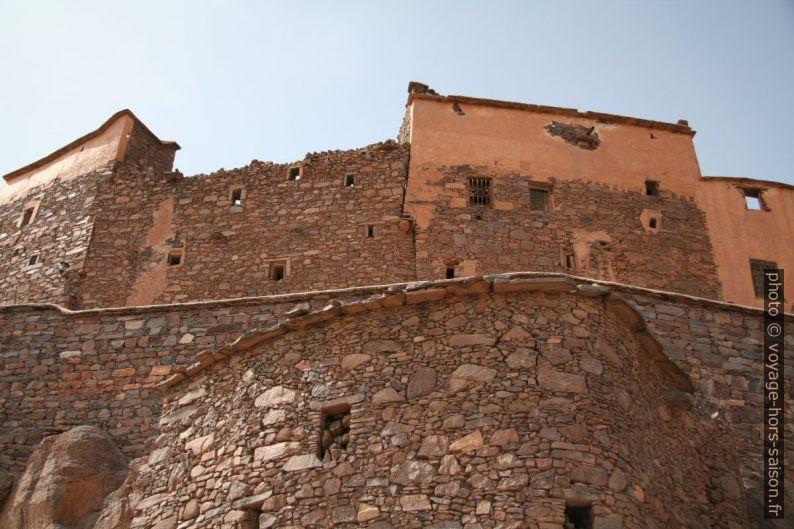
757	268
27	216
277	271
539	199
294	174
33	260
370	231
335	432
652	223
752	199
450	272
570	261
237	197
175	258
479	191
350	180
579	517
652	188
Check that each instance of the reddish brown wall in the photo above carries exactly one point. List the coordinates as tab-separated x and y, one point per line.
605	228
739	234
495	409
316	223
99	367
60	231
600	209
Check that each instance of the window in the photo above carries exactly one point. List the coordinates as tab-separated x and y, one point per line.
335	430
175	257
370	230
294	173
237	197
652	188
570	261
652	223
539	199
350	180
33	260
450	272
580	517
757	268
479	191
278	271
752	199
27	216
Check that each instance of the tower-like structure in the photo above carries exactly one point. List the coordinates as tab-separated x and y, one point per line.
512	316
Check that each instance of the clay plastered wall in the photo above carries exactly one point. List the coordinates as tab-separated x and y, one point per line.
85	158
605	229
509	140
601	213
60	230
739	234
315	226
495	410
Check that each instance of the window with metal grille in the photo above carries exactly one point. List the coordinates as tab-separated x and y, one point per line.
539	199
479	191
757	268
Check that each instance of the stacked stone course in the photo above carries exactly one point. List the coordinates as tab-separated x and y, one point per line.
105	367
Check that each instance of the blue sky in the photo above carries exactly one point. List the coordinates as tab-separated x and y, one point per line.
232	81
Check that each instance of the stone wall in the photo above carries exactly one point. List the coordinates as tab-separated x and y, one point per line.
590	229
316	227
61	369
59	230
498	410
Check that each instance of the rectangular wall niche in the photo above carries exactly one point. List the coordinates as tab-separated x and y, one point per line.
237	196
578	517
479	191
278	270
335	431
27	216
175	256
294	173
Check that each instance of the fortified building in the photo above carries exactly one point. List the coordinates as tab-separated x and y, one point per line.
511	316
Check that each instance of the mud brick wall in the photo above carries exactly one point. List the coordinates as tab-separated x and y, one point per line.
496	409
316	226
605	230
60	231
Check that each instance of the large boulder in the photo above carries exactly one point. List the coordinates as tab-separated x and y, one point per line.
65	482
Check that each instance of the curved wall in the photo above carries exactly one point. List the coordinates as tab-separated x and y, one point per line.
498	409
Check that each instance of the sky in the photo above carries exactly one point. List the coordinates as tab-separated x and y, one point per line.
232	81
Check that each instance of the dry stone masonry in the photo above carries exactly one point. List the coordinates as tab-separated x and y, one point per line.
517	316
